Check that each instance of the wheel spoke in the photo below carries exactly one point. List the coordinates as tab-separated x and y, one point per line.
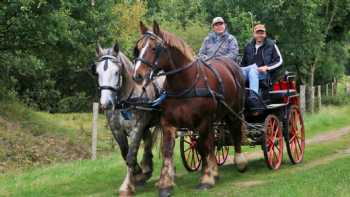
299	144
187	142
193	161
198	159
188	155
187	149
291	139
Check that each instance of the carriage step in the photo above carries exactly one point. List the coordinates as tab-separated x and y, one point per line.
276	105
281	93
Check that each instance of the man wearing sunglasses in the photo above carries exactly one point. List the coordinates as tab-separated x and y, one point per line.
219	42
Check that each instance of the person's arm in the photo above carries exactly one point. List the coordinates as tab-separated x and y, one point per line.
276	60
232	49
203	50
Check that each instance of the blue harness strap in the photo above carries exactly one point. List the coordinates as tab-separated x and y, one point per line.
127	115
160	99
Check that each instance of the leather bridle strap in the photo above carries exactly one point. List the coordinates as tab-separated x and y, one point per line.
108	88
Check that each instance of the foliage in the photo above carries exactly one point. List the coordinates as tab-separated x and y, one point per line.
46	45
126	24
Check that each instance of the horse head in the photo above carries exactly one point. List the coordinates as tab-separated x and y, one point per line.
108	68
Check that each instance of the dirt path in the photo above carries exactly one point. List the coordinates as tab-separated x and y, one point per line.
320	138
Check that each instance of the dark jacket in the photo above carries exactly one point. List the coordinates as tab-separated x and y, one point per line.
267	54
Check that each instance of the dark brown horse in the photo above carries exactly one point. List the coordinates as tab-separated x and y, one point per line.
196	93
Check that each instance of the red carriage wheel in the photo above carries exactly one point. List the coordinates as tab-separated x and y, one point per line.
273	142
295	138
189	153
221	153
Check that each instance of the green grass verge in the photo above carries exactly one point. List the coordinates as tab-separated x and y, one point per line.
29	138
329	118
103	177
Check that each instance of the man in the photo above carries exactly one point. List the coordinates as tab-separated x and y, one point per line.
219	42
260	56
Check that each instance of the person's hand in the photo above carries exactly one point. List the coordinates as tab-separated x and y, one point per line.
263	69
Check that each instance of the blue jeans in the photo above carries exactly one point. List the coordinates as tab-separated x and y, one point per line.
252	74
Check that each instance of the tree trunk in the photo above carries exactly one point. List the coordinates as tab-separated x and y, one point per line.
309	92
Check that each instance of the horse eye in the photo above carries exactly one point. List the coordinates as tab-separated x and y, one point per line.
153	49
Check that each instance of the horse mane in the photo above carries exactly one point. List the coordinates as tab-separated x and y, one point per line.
177	43
126	61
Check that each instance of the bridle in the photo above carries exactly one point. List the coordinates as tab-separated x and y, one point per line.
105	59
160	47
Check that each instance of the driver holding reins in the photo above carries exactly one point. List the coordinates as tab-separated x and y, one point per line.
219	42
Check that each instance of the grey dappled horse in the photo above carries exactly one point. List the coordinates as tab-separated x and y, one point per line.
114	71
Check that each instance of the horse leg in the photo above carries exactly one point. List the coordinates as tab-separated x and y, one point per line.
122	140
126	189
207	152
147	159
128	186
236	128
167	174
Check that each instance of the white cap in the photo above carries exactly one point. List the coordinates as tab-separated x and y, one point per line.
217	20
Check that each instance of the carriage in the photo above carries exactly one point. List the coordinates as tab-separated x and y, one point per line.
280	121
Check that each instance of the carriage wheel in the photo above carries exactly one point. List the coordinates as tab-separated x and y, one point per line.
295	138
273	142
189	153
221	153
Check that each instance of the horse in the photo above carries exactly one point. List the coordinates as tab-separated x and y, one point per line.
117	89
198	93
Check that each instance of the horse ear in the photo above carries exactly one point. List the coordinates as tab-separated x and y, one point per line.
116	48
98	50
156	28
143	28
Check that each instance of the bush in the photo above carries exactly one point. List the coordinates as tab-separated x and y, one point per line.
78	103
336	100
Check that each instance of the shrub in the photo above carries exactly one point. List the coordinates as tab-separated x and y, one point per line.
336	100
78	103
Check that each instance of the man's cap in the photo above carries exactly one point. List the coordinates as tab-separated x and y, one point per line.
217	20
259	27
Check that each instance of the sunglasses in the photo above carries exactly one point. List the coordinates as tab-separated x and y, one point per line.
219	23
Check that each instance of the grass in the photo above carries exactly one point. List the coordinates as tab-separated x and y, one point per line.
103	177
330	117
29	138
30	131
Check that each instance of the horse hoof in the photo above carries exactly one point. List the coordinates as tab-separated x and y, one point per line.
147	175
165	192
125	194
241	162
242	169
204	186
140	183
